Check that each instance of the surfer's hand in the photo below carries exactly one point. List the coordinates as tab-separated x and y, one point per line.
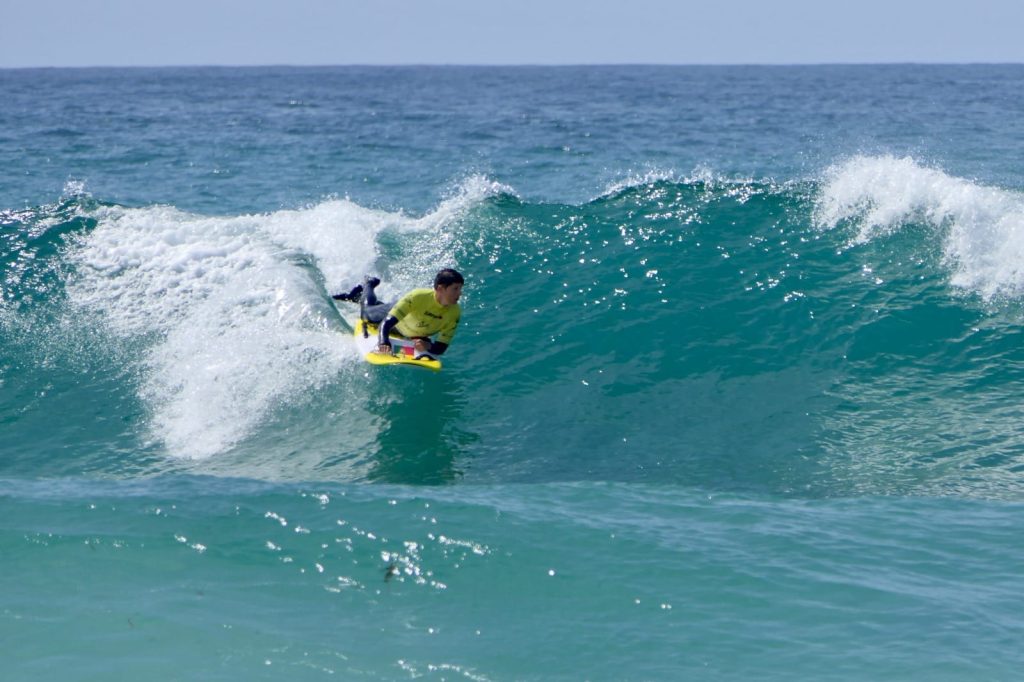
384	349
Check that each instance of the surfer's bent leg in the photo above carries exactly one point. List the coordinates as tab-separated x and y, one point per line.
376	313
361	293
373	309
369	295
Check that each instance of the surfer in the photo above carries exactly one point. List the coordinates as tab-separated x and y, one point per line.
419	315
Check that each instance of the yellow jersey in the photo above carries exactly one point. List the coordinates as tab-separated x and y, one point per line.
419	314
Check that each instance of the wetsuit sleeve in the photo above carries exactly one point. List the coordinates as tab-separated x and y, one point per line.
398	311
437	348
384	336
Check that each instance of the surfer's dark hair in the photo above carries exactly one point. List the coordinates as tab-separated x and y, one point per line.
447	277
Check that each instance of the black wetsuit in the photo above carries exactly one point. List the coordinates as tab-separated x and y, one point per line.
371	308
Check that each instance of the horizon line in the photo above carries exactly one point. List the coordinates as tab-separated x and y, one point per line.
517	65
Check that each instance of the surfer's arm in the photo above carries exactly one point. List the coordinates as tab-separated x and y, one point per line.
433	347
399	311
384	336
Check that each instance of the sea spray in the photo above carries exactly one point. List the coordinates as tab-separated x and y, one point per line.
981	228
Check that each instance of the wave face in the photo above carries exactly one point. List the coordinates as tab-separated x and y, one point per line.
858	334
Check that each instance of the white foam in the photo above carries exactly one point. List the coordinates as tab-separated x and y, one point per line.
981	227
244	350
230	310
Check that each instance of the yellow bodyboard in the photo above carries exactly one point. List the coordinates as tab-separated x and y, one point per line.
404	353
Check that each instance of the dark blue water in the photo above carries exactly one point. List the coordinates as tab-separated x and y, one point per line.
735	395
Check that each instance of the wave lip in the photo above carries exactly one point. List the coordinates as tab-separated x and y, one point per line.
981	228
469	193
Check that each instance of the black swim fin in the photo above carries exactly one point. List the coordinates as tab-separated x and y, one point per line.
353	296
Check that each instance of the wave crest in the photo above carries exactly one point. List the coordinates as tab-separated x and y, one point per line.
981	227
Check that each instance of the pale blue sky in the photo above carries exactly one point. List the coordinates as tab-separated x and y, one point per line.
251	32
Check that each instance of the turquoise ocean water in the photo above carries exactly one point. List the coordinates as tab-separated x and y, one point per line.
737	392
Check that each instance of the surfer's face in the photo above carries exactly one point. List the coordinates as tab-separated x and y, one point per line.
448	295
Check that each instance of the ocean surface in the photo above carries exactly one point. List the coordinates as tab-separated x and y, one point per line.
737	393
